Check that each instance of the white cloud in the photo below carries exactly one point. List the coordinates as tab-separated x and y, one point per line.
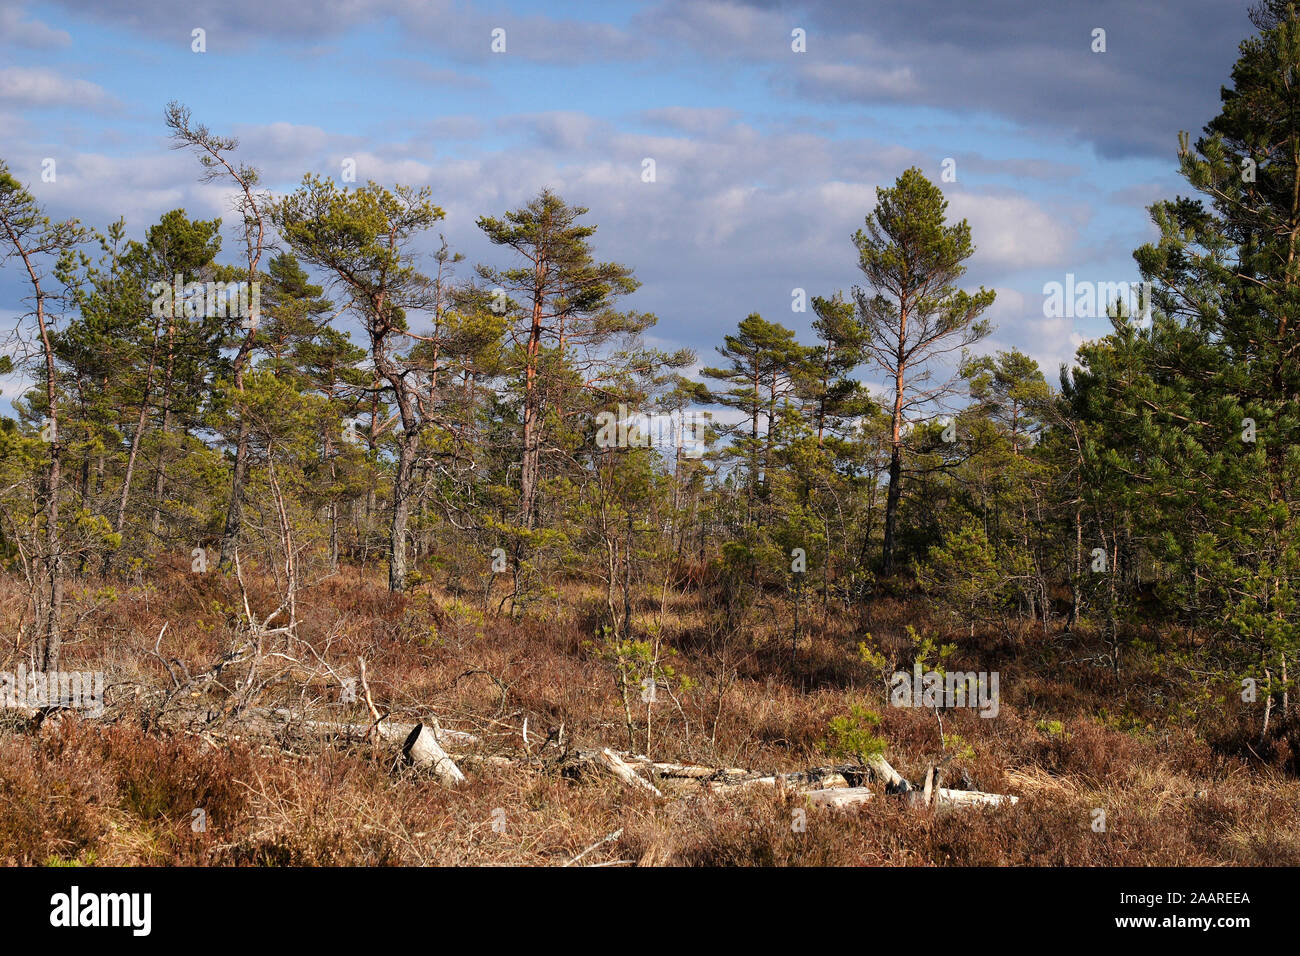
561	130
737	218
35	86
1011	231
1019	323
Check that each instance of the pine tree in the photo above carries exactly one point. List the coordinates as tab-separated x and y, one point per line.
826	385
215	154
912	310
363	239
42	246
1189	428
765	364
560	300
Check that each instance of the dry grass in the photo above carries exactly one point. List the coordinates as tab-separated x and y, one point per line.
1069	739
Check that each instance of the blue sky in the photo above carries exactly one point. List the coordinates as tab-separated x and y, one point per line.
767	160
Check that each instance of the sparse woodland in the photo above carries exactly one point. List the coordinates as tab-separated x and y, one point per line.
368	586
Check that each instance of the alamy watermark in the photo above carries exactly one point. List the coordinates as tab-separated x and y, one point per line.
209	300
952	689
627	429
76	690
75	908
1091	300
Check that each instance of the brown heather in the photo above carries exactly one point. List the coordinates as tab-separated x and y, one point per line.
1179	785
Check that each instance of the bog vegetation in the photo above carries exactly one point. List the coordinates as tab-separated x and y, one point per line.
387	454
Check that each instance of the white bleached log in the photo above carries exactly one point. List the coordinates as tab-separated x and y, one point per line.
892	779
423	752
809	780
395	732
847	797
971	798
615	765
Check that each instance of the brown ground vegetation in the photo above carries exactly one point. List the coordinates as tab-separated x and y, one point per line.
1183	779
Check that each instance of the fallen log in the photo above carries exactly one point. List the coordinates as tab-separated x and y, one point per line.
431	747
423	752
943	797
394	732
615	765
892	779
815	779
685	771
837	786
850	797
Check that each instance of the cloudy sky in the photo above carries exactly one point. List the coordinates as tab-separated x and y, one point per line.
766	159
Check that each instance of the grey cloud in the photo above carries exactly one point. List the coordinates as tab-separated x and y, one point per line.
232	22
1044	170
460	30
1031	62
1026	61
559	130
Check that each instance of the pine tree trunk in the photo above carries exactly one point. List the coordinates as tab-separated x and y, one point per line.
53	634
891	507
141	420
896	449
401	513
53	546
160	473
334	537
531	461
235	509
